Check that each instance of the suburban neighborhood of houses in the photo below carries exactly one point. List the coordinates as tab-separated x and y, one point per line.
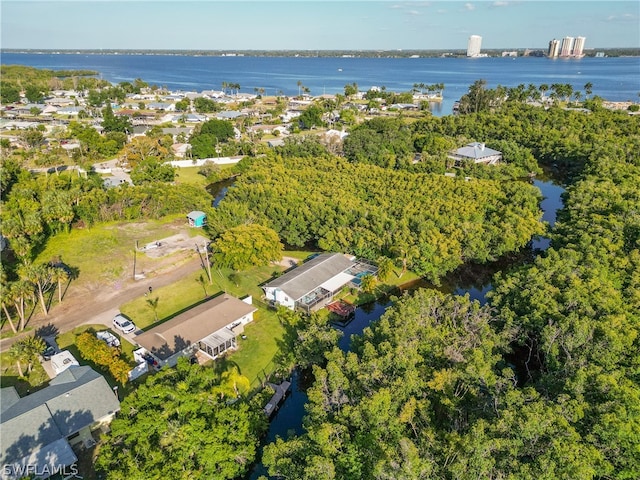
181	267
42	432
176	113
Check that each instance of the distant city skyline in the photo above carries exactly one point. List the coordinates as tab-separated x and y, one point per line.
313	25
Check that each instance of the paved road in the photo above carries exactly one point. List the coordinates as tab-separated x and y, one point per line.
91	308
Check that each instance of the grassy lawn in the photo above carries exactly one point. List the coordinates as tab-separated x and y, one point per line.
33	381
104	253
191	290
255	353
190	175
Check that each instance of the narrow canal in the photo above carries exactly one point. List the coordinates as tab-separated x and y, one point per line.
472	280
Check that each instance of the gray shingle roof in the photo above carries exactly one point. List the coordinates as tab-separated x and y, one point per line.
8	397
476	151
309	276
75	399
193	325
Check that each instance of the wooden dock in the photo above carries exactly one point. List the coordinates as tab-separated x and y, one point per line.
280	392
341	308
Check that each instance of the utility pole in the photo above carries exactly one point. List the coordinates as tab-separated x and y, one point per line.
135	253
202	261
206	254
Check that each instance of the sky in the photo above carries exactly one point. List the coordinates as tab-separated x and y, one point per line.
313	25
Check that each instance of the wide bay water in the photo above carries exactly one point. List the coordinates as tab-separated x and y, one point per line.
615	79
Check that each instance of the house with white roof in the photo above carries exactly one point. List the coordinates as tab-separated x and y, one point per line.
475	152
167	107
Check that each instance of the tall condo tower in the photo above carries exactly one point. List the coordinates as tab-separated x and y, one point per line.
578	47
567	47
473	48
554	48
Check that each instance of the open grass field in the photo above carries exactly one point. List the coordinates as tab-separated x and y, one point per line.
105	253
190	176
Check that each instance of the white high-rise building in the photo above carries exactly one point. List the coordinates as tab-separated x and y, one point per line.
567	47
578	47
473	48
554	48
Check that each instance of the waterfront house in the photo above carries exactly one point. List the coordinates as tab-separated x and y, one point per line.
209	328
38	430
312	285
475	152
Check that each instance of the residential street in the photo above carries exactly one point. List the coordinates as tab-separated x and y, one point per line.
102	305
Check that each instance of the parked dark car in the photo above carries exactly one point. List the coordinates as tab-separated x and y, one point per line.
48	352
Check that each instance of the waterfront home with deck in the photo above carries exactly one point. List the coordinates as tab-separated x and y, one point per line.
312	285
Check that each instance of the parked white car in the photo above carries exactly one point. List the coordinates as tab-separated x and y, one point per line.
123	324
109	338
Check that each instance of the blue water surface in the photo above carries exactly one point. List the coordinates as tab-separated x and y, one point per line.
615	79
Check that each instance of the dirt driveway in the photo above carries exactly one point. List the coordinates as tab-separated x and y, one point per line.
177	257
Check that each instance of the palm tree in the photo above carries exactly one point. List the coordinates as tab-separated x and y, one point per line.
368	283
385	268
406	254
577	95
5	297
543	89
19	292
32	346
27	350
233	383
18	354
588	88
38	276
60	275
153	304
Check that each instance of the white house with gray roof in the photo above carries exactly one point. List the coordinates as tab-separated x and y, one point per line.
312	285
37	431
476	152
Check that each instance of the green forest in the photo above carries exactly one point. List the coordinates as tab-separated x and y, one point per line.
430	223
542	382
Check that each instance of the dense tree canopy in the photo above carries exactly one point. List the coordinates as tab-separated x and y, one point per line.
385	142
206	142
178	425
542	383
431	223
247	246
